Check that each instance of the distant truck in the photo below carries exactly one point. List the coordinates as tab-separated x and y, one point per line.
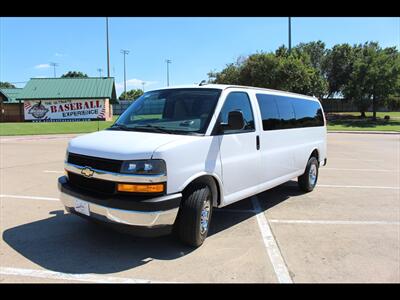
176	153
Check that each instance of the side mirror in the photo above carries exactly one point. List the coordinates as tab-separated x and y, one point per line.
235	121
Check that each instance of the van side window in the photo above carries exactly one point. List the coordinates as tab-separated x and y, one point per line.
286	112
308	113
238	101
281	112
269	111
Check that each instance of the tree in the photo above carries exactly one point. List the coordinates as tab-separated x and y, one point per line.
316	53
74	74
280	70
229	75
374	76
337	67
6	85
131	95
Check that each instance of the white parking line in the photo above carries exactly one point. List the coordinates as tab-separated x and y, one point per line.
359	186
335	222
58	172
360	170
67	276
29	197
274	253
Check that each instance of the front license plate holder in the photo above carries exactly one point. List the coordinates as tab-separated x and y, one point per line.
82	207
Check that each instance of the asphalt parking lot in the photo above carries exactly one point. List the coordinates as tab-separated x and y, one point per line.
346	230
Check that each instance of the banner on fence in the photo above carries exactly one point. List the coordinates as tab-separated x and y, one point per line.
65	110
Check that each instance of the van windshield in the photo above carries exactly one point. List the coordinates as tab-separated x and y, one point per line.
176	111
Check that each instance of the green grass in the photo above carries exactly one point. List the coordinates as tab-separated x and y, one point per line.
29	128
392	114
352	121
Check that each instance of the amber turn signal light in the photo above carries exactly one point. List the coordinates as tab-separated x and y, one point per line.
140	188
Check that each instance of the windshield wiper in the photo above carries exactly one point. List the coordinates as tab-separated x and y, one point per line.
120	126
153	127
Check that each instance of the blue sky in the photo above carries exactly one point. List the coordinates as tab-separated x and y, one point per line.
195	45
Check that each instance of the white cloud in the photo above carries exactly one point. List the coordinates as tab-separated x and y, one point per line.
42	66
132	83
59	54
40	76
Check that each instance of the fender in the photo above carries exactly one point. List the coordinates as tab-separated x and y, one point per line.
213	175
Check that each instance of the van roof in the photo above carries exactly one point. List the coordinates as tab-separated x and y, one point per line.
227	86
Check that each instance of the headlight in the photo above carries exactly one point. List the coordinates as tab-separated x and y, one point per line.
144	167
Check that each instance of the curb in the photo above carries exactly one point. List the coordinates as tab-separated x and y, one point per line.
6	138
364	132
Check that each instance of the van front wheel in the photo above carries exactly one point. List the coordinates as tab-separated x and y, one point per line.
308	180
195	215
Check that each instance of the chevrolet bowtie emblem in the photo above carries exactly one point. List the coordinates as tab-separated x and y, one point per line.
87	172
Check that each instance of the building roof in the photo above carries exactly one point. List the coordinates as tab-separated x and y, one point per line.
69	88
11	94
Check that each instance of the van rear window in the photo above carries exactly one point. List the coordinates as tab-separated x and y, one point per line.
282	112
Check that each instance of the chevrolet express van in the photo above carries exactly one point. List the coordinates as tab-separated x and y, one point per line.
177	152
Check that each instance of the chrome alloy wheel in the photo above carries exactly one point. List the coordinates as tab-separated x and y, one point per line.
312	174
205	215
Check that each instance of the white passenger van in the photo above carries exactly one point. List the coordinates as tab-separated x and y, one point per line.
176	153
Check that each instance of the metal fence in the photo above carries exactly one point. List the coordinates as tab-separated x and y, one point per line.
153	107
344	105
119	108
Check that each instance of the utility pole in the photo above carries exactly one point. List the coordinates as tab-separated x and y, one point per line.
168	61
54	65
290	34
108	50
143	86
124	52
100	70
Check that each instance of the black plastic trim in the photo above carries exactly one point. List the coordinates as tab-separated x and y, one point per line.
119	201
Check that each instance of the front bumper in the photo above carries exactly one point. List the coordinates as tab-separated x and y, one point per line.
153	213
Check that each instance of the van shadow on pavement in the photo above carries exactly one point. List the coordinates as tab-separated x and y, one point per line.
69	244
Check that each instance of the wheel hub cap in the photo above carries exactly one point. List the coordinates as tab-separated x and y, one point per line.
312	175
205	215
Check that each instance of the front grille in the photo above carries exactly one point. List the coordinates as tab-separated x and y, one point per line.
91	184
111	165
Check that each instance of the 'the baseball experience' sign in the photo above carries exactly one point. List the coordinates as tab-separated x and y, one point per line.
64	110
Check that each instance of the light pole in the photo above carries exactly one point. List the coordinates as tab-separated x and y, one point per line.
54	65
108	50
143	86
168	61
124	52
290	34
100	70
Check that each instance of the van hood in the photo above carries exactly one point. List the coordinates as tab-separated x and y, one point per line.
121	145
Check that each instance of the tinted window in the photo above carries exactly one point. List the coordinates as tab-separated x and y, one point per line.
238	101
281	112
286	112
269	111
308	113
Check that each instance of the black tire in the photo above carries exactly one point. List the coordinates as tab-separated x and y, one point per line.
188	227
305	183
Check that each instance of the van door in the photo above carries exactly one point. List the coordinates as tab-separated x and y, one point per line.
278	140
240	157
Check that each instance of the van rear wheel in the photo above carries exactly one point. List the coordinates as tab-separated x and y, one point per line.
308	180
195	215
